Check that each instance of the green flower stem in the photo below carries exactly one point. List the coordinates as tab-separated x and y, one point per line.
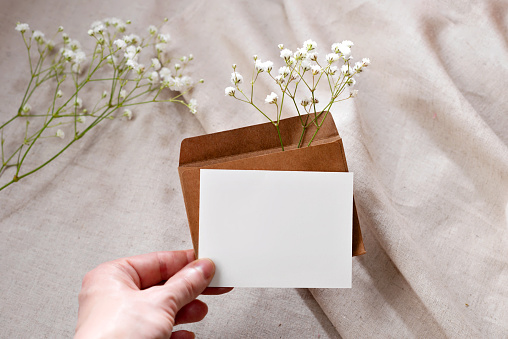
301	137
254	105
9	121
17	178
280	136
317	129
75	79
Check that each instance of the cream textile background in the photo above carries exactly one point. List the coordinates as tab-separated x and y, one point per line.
427	139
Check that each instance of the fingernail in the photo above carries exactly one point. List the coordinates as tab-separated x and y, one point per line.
206	266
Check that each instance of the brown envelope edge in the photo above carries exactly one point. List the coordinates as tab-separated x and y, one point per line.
251	148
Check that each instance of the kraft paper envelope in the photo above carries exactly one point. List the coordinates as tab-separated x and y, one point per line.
258	147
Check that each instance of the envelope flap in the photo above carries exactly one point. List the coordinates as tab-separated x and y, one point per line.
260	139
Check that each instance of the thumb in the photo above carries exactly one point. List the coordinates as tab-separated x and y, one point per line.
190	281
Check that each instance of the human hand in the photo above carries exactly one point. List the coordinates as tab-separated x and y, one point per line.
128	298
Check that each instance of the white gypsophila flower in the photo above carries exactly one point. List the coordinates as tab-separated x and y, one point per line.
163	37
312	56
271	98
81	119
357	68
236	78
176	84
127	113
119	24
99	29
104	94
160	47
305	64
281	46
348	43
22	27
140	68
79	57
258	65
67	54
152	30
98	24
123	93
132	64
263	66
286	53
74	45
316	69
351	82
284	71
309	45
342	49
332	70
26	108
115	21
230	91
119	43
177	67
193	105
354	93
131	39
59	93
279	79
50	44
346	70
331	57
156	64
335	47
309	100
301	53
111	59
346	53
153	77
60	134
366	62
165	73
127	39
38	36
78	102
131	53
187	82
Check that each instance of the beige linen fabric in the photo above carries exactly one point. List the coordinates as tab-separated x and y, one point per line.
427	139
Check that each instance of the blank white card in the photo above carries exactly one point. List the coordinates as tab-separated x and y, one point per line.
277	228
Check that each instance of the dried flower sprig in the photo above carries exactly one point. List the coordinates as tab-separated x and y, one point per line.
298	80
114	68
